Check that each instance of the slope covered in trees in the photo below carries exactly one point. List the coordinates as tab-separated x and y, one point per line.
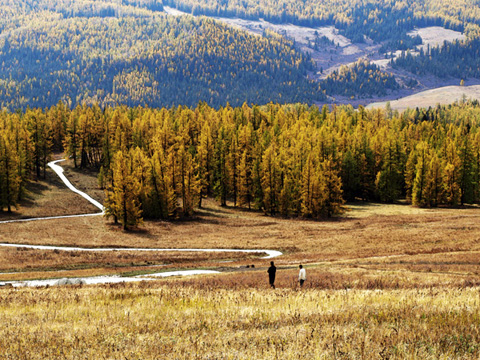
130	55
362	79
291	160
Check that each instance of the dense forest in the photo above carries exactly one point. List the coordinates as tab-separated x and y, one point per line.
360	80
289	160
460	59
146	59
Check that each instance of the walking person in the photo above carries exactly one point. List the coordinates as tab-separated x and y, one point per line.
302	275
271	274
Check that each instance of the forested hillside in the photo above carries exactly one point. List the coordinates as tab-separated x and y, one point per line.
291	160
124	55
362	79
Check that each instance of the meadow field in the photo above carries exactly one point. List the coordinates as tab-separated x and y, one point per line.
442	95
383	282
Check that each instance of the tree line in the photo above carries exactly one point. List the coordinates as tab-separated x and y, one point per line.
288	160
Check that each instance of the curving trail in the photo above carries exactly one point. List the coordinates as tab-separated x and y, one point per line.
110	279
59	171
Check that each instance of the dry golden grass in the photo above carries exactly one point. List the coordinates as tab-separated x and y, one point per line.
434	233
163	320
432	97
464	263
352	237
25	264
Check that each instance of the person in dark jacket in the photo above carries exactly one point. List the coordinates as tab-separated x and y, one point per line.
271	274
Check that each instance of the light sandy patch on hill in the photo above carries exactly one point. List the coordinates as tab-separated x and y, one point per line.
300	34
173	11
443	96
431	36
383	64
331	33
436	35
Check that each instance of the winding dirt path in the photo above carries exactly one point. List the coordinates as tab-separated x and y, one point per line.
110	279
59	171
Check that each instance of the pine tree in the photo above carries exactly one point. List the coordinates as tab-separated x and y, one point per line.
332	189
71	142
434	191
245	183
270	178
9	178
420	182
308	187
232	164
205	152
453	193
410	174
189	184
162	200
41	139
389	179
452	174
221	172
466	168
122	199
350	175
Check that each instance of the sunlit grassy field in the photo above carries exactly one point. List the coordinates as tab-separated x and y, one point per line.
383	282
210	319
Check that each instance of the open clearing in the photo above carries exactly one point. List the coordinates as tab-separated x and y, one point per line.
384	281
435	36
443	96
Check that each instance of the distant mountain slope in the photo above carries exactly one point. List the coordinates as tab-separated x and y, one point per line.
109	52
379	20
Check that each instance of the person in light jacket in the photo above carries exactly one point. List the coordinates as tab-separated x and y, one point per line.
302	275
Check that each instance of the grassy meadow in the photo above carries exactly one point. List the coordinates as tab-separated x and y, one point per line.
203	319
383	282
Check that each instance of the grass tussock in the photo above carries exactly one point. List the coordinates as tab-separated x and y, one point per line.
171	321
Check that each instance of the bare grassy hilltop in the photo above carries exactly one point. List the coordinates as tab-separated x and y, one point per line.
433	97
383	281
